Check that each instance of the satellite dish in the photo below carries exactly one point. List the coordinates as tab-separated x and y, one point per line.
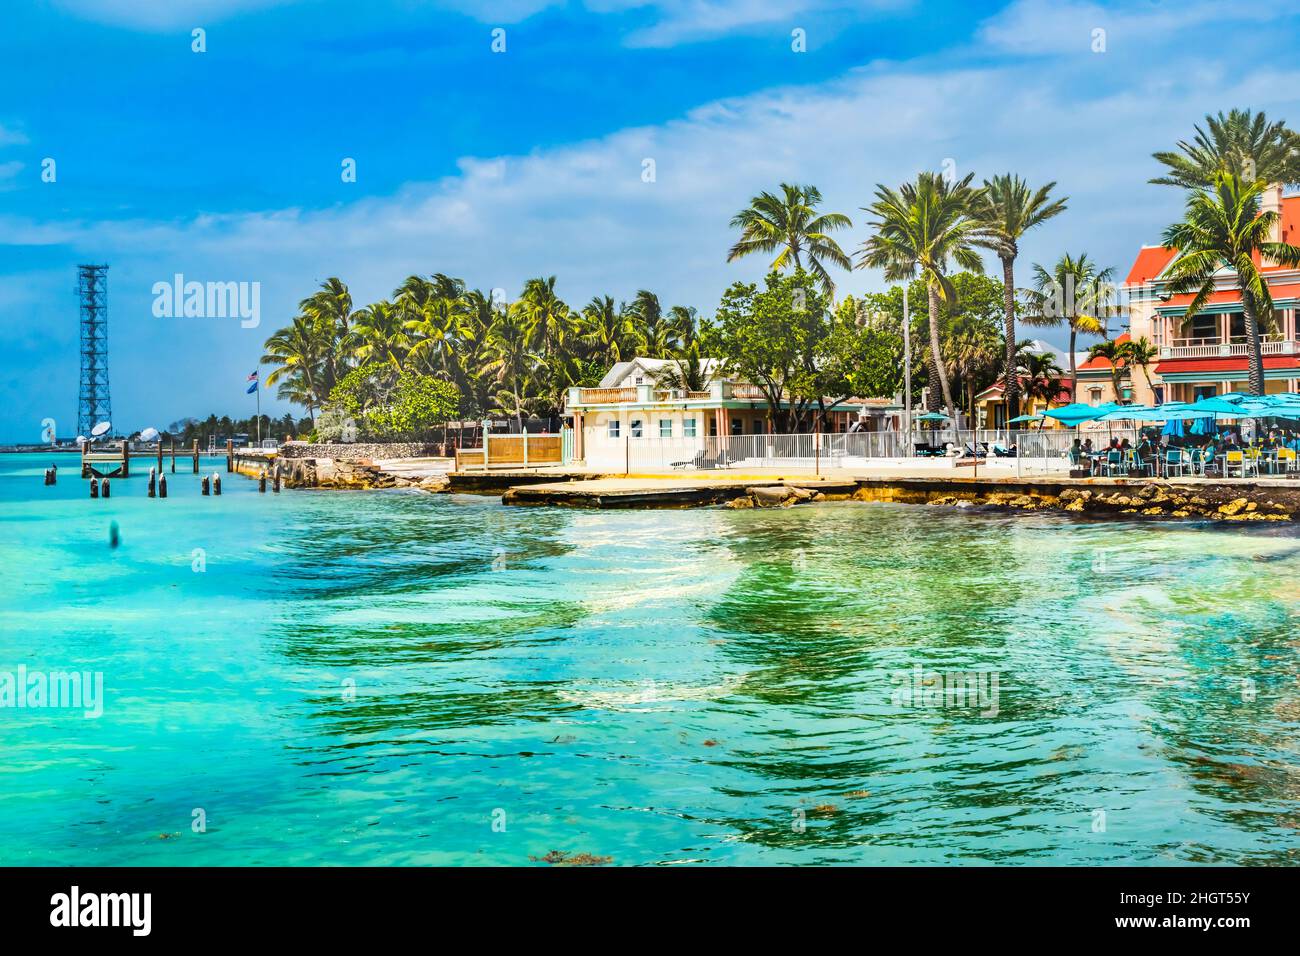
149	434
81	439
101	428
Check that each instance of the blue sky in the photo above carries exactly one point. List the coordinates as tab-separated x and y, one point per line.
225	165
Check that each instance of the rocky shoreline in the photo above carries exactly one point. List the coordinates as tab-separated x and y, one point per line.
1218	501
1151	499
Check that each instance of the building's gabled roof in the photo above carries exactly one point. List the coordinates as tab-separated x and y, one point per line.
1150	262
1099	364
651	367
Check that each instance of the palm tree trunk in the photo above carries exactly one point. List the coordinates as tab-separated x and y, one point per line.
1074	369
936	371
1012	392
1252	338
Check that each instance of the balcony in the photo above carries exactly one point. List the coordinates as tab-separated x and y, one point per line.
1226	348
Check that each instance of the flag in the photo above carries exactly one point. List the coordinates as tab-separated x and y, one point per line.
251	378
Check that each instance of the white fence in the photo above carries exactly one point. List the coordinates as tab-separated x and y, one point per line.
815	452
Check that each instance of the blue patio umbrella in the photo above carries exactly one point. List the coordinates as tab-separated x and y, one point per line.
1216	405
1173	427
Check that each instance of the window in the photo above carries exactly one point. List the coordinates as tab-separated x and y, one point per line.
1204	326
665	428
640	380
1094	397
613	428
737	428
713	426
688	427
635	429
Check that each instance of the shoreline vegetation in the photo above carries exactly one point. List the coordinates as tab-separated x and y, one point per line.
437	351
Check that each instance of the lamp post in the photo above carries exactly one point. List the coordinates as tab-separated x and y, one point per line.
907	372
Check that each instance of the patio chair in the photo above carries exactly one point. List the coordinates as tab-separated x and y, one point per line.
1242	462
1174	461
1114	462
1286	460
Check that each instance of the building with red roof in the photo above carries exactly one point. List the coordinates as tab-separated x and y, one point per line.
1206	353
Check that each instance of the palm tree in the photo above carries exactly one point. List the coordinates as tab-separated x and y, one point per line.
790	223
546	315
1042	376
686	372
652	331
682	321
380	334
1224	228
1140	353
331	308
1242	143
509	367
1114	353
605	329
1074	293
921	227
298	350
1006	209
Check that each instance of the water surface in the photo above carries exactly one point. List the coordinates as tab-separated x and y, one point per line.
398	678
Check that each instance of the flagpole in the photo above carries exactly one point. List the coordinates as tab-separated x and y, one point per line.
258	383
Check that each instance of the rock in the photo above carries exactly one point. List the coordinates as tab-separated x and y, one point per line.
743	502
435	483
769	497
1232	507
803	494
1075	505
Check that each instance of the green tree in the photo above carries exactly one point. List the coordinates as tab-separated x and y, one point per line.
1006	209
922	227
417	405
1074	293
772	338
1242	144
790	223
1223	227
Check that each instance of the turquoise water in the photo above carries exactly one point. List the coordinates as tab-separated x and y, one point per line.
398	678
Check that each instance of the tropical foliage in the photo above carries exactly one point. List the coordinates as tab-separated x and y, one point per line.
790	226
513	359
1224	227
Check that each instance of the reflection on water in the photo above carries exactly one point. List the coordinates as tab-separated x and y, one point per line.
366	678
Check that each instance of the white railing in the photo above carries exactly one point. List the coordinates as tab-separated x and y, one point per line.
1213	348
810	452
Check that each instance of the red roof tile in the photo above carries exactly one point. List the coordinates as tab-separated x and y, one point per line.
1099	362
1150	262
1238	363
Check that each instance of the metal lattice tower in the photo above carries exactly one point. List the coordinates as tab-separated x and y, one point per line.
93	404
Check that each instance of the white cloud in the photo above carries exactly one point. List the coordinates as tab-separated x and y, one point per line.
583	213
1040	27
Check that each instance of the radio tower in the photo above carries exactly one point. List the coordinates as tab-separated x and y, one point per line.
93	405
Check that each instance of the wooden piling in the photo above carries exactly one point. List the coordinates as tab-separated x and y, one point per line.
230	454
126	459
162	486
159	454
216	483
204	484
196	457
